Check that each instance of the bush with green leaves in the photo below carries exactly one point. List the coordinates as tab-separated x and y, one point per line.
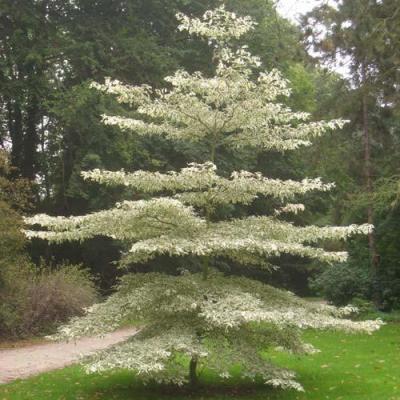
341	283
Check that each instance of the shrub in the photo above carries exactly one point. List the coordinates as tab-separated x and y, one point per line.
12	240
391	294
15	279
56	296
34	301
340	284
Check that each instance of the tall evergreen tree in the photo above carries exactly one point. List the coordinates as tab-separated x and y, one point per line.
363	34
29	62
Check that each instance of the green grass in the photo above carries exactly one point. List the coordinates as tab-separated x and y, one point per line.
348	368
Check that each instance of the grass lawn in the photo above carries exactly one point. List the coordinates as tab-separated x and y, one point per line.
348	368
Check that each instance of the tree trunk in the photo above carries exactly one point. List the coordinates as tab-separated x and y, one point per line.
374	256
15	128
193	379
31	139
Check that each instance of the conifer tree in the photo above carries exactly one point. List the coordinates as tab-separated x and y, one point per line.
207	318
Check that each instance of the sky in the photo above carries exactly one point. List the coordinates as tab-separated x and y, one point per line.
291	9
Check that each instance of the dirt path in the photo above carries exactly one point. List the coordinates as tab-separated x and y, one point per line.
33	360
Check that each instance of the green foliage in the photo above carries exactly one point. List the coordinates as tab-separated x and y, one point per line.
12	239
13	196
340	284
303	82
15	280
275	39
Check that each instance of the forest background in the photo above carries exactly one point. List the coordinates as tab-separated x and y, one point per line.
51	130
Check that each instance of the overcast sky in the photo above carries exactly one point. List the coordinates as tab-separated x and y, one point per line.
293	8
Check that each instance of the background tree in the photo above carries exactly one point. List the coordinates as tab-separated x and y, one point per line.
361	34
30	59
209	318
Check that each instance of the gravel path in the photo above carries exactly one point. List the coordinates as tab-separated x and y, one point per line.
33	360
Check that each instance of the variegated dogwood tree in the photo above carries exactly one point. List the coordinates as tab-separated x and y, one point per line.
206	318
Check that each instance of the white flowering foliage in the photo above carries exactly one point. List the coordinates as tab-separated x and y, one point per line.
208	318
128	221
219	322
239	239
217	25
166	226
201	186
229	109
222	111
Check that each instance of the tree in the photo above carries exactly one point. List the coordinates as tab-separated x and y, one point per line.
205	317
363	33
30	61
